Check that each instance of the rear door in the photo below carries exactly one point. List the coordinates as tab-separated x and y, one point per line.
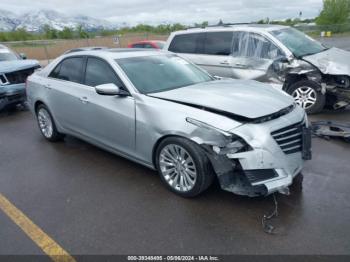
253	55
66	95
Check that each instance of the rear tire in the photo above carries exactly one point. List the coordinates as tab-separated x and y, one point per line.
47	124
307	95
183	167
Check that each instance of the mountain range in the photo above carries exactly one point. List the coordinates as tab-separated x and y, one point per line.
34	21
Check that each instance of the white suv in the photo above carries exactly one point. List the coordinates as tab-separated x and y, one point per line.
283	56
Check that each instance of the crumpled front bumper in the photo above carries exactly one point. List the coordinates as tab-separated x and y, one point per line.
12	94
269	166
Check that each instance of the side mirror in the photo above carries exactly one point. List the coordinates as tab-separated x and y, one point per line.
110	90
23	56
282	59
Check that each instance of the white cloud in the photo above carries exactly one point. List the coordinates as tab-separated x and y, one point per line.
183	11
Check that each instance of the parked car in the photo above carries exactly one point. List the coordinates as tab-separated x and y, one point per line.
283	56
153	44
14	70
162	111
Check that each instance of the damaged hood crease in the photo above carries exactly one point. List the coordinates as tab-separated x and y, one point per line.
17	65
333	61
240	100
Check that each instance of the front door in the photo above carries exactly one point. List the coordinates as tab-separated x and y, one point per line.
110	120
253	57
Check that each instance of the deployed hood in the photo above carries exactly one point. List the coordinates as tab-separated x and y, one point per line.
245	98
17	65
333	61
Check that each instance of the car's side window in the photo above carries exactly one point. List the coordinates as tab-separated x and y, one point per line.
70	69
187	43
98	72
148	46
137	46
54	73
218	43
252	45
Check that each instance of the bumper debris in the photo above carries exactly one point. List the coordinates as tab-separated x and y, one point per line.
328	129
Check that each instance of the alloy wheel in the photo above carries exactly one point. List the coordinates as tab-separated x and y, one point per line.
305	96
45	122
178	168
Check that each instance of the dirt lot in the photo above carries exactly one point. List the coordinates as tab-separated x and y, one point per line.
93	202
48	50
44	50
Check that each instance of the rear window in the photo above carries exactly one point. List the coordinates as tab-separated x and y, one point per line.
137	46
70	69
186	43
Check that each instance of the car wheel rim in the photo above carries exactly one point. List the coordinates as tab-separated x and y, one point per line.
178	168
305	96
45	123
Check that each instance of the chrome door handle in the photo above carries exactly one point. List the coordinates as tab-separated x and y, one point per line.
84	100
224	63
48	86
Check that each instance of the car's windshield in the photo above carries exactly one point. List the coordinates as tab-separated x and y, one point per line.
297	42
7	56
152	74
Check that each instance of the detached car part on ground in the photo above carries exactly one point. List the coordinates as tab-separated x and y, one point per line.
14	71
285	57
161	111
330	129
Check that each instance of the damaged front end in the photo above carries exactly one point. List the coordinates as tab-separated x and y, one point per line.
253	161
12	83
257	159
329	69
217	144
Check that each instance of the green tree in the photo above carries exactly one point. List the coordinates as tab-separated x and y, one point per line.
50	33
81	32
334	12
66	33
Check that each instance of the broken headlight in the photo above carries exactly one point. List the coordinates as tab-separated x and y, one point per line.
237	145
342	81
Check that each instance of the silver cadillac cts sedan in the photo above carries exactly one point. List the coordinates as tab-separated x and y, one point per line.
162	111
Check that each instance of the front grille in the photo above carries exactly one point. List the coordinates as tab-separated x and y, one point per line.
19	77
3	80
290	138
258	175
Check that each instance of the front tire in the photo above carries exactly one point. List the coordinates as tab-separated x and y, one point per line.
307	95
47	125
183	167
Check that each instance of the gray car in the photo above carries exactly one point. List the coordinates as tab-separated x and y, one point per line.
286	58
162	111
14	70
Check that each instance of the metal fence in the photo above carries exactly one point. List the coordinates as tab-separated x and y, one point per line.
317	29
46	50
